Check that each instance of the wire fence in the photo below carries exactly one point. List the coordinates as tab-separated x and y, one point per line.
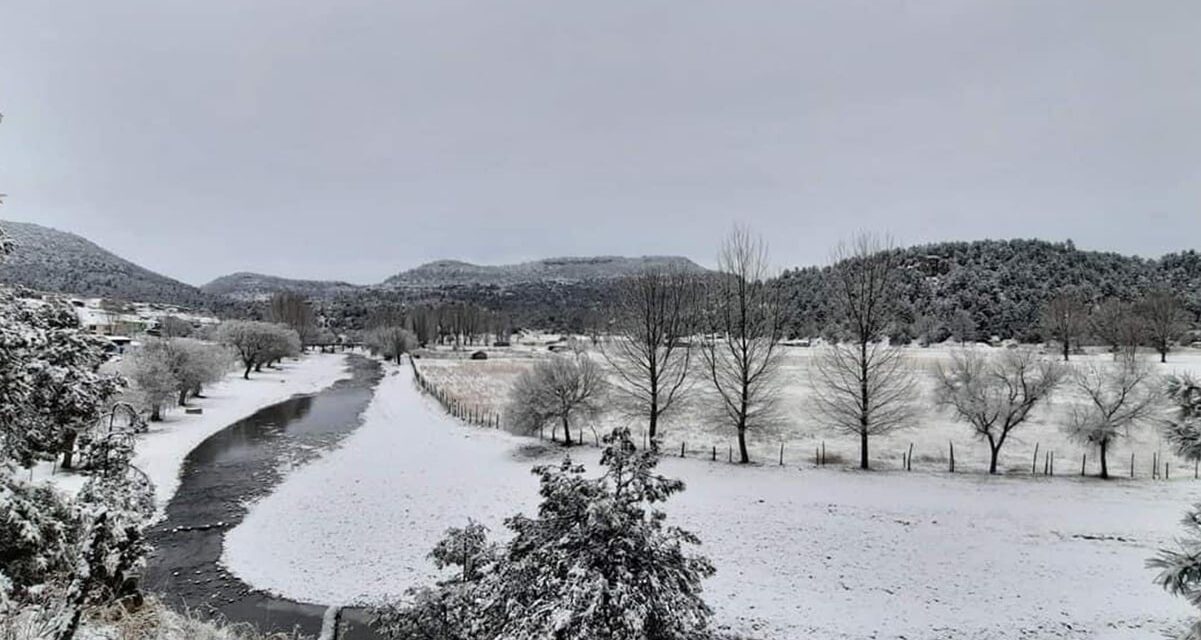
1042	461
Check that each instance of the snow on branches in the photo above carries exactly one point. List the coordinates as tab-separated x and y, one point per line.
597	561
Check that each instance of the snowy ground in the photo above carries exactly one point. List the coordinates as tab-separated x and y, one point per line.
800	553
161	451
485	384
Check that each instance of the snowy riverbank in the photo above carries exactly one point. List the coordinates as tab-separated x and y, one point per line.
161	451
799	553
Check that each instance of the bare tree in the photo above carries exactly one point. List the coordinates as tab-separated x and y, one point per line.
1118	397
391	342
996	395
648	345
258	343
1064	318
1164	318
864	386
1118	326
743	323
556	392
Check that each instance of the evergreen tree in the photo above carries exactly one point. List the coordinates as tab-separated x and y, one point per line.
597	561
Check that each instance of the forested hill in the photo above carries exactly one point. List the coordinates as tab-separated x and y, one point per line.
51	260
1003	284
565	270
251	287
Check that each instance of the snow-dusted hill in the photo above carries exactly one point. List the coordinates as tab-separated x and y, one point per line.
256	286
569	269
51	260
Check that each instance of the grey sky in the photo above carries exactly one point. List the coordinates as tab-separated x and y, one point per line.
353	139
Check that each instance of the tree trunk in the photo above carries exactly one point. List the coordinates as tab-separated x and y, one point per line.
68	449
156	414
743	456
992	462
1163	355
863	450
654	422
246	374
566	433
1104	462
183	397
1066	348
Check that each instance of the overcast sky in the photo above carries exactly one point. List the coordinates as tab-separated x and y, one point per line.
356	138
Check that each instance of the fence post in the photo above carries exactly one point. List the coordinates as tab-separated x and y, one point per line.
952	455
781	454
1132	464
1034	463
909	458
1083	457
715	453
681	449
729	453
823	453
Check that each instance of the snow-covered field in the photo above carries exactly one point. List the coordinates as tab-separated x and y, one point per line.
800	553
161	451
486	383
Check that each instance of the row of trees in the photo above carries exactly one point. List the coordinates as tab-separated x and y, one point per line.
996	394
170	370
456	323
258	344
669	331
1157	320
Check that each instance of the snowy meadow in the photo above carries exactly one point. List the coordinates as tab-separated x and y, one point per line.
799	551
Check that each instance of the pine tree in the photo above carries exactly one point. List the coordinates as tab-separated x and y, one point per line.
597	561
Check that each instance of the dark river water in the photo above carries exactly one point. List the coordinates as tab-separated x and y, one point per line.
227	472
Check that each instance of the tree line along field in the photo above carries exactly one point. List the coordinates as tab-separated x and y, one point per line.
483	386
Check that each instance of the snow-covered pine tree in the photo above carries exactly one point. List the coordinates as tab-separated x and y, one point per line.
1180	567
597	561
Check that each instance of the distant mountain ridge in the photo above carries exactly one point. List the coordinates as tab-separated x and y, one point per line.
250	287
51	260
564	269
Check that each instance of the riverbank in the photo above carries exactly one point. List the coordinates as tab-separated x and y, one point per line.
160	452
224	475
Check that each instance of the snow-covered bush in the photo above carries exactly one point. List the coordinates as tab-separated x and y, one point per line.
36	527
598	561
